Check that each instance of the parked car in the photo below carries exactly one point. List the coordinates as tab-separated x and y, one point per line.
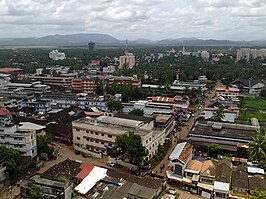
112	164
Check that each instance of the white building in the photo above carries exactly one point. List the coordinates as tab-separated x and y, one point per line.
21	137
251	86
227	92
4	79
109	69
247	53
55	55
99	134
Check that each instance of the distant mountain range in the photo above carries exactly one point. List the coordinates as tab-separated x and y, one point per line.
105	39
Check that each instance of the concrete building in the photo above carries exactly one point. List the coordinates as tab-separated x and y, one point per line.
109	69
179	159
81	100
55	55
250	86
227	92
99	134
92	46
247	53
4	79
85	85
127	61
49	188
18	137
227	135
65	82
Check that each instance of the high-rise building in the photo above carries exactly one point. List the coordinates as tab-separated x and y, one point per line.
128	60
92	46
247	53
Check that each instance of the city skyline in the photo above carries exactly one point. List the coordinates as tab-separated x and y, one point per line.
155	20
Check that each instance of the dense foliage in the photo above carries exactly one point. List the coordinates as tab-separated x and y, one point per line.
43	142
129	146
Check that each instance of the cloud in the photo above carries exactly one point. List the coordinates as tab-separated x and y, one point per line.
153	19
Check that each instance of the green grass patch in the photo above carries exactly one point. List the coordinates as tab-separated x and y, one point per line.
253	107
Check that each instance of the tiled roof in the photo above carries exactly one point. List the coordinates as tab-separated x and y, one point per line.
209	168
4	111
240	179
257	183
223	173
67	168
194	165
185	152
10	70
85	170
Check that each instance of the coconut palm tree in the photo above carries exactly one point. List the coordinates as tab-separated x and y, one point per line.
257	148
218	115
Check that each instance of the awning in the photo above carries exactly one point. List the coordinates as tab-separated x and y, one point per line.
170	175
187	181
205	186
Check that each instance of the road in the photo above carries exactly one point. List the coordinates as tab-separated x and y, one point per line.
182	135
68	153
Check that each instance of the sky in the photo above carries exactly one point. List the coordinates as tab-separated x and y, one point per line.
133	19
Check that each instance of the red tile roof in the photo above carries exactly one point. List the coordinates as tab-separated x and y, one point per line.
85	170
4	111
10	70
163	99
194	165
185	152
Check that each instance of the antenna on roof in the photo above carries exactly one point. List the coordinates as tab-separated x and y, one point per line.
126	48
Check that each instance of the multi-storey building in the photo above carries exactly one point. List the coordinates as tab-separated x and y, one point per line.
85	85
227	92
99	134
65	82
247	53
127	61
18	137
80	100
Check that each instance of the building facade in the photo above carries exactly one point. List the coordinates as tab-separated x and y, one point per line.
99	134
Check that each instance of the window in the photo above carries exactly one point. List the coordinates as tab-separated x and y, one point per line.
87	132
88	139
78	138
77	129
96	133
17	138
102	142
91	132
150	139
110	144
96	141
110	136
102	134
147	141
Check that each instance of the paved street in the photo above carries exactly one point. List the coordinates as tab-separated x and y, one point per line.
67	152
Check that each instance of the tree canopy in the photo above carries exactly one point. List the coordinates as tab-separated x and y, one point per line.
10	156
138	112
43	142
213	150
129	146
258	194
257	148
114	105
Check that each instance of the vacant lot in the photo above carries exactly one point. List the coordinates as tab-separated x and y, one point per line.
252	107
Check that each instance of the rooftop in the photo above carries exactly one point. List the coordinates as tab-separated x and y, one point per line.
239	179
257	183
181	152
4	111
209	168
133	117
10	70
194	165
228	130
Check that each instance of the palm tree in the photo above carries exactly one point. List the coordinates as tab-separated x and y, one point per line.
257	148
218	115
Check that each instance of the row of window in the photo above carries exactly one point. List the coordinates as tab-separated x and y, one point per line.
96	141
15	138
95	133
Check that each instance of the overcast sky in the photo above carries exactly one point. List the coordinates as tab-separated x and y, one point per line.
152	19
